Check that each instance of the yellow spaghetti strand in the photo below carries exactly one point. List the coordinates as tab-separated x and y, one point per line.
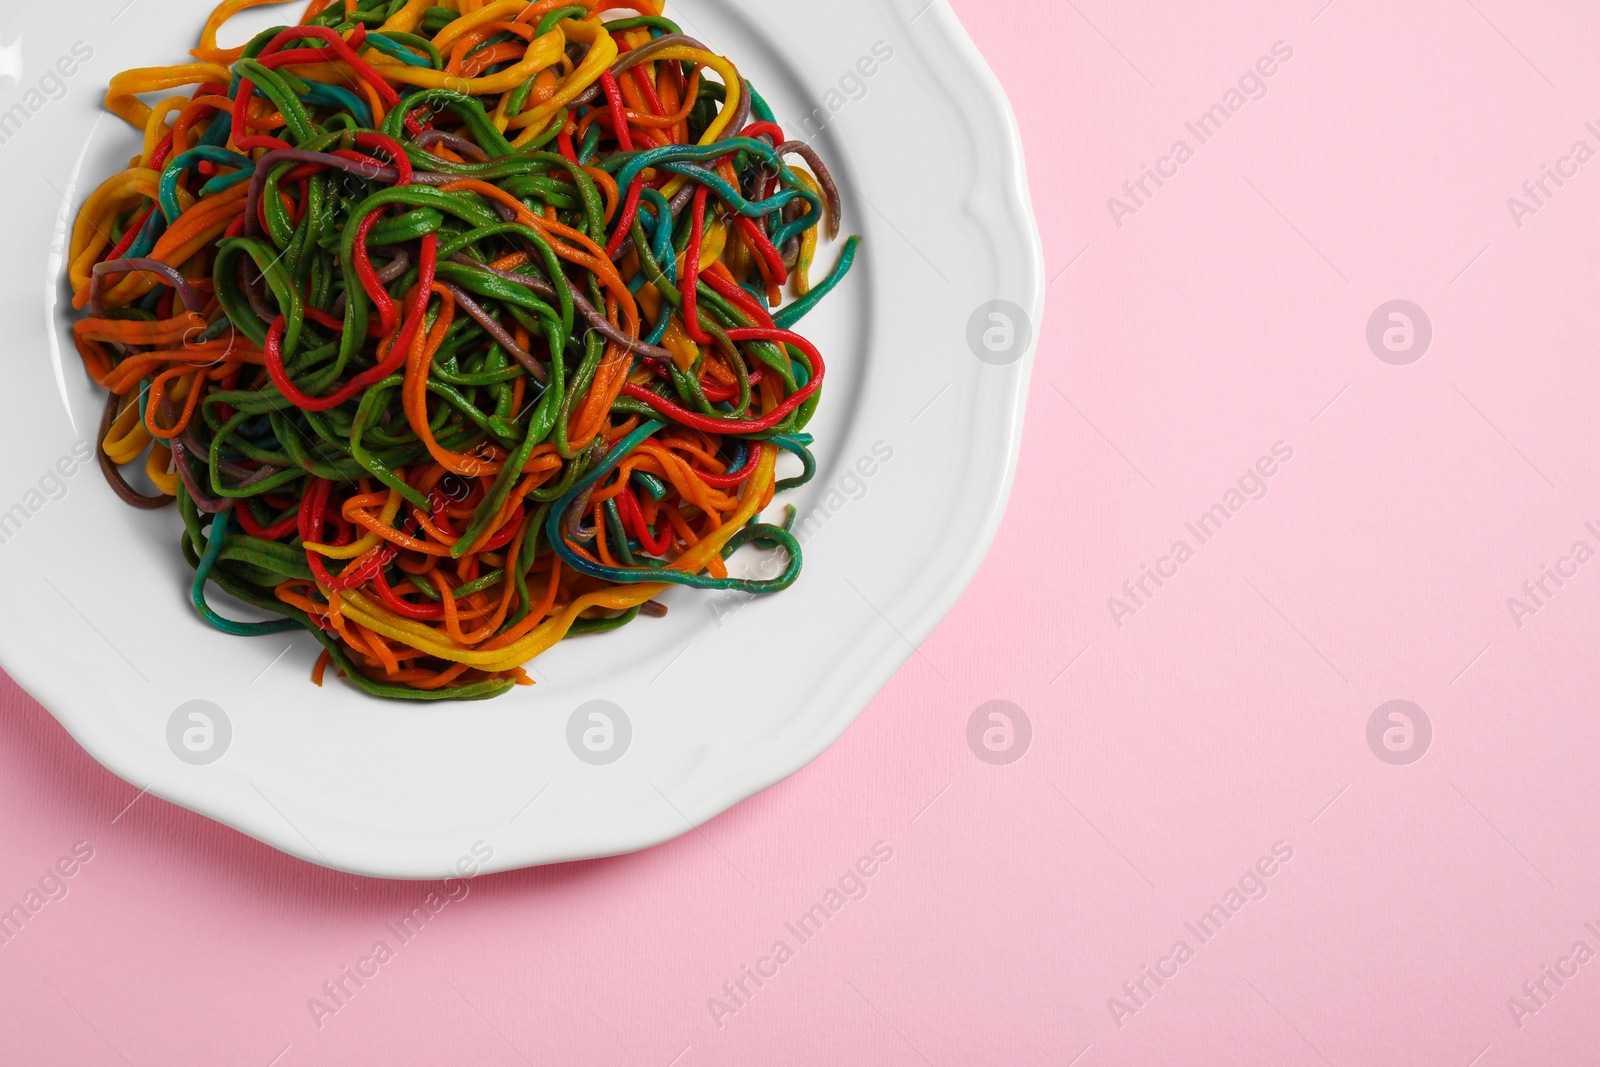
122	98
602	53
362	545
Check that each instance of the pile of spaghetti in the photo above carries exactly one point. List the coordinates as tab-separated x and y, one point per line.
450	326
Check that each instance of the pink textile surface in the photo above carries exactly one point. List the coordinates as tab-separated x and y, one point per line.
1222	843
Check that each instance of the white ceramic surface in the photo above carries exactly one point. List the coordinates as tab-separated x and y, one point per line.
96	623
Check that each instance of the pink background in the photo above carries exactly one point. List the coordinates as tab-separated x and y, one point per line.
1170	753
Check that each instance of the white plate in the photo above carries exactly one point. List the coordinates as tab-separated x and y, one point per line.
724	697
